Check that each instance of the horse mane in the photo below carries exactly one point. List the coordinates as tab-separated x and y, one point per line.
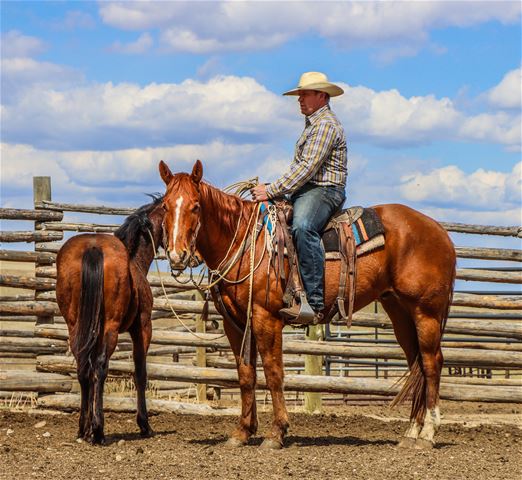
228	204
137	224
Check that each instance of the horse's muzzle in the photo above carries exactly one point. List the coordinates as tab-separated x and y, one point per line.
178	262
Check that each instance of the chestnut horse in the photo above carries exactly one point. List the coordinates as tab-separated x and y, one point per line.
102	290
412	276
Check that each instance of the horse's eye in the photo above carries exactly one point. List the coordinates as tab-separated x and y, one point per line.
164	205
195	208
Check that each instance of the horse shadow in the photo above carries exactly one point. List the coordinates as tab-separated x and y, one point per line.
302	441
134	436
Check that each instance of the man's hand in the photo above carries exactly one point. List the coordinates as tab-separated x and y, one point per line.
259	193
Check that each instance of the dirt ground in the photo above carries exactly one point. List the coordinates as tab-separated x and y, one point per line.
476	442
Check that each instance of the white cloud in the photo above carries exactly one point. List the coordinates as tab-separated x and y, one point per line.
451	187
127	115
508	93
21	75
387	118
141	45
239	109
236	26
15	44
121	174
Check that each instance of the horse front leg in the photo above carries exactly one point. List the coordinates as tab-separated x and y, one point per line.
141	333
269	336
247	385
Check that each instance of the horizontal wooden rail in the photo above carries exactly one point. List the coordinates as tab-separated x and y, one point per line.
502	302
48	247
29	308
100	209
25	256
477	275
71	401
27	381
33	283
35	215
513	231
489	253
30	236
32	345
78	227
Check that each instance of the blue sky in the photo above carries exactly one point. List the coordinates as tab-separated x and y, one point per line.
96	93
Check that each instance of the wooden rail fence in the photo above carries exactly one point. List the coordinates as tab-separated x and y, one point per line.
488	325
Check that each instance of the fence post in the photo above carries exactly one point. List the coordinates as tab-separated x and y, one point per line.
313	366
41	192
201	352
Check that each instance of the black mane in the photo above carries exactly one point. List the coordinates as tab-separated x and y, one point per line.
136	225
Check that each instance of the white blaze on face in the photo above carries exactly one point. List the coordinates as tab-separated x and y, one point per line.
175	230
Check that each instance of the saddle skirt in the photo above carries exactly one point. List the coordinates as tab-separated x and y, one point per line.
367	229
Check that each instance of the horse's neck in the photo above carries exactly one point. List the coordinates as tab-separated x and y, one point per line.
146	250
220	217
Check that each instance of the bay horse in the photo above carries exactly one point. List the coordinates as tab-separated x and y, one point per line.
102	290
412	276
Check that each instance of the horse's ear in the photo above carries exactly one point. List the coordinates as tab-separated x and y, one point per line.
197	172
165	172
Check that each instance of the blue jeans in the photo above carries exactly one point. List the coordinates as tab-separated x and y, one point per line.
313	207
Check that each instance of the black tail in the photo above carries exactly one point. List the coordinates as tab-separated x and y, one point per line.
90	322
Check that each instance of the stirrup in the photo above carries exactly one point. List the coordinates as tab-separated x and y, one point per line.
305	315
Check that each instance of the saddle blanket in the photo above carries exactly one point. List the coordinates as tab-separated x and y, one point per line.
368	232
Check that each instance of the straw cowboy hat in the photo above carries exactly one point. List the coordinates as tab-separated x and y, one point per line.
316	81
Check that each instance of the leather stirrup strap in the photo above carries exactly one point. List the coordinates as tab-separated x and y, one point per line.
294	280
347	274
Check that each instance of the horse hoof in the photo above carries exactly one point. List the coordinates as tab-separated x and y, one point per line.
147	433
407	442
234	442
271	444
422	444
96	439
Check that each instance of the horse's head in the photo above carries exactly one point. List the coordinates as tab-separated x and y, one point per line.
182	214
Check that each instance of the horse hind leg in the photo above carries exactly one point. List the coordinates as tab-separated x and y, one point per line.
98	377
84	426
429	334
140	345
406	334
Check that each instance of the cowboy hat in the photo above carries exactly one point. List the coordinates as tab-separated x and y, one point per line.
316	81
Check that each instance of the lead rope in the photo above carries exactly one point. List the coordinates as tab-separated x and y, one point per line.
246	343
205	307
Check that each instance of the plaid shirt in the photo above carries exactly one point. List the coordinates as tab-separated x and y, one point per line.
320	156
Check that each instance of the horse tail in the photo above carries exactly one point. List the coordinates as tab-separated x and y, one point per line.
91	318
414	387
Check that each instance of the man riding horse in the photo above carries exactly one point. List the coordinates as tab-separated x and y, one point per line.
315	183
